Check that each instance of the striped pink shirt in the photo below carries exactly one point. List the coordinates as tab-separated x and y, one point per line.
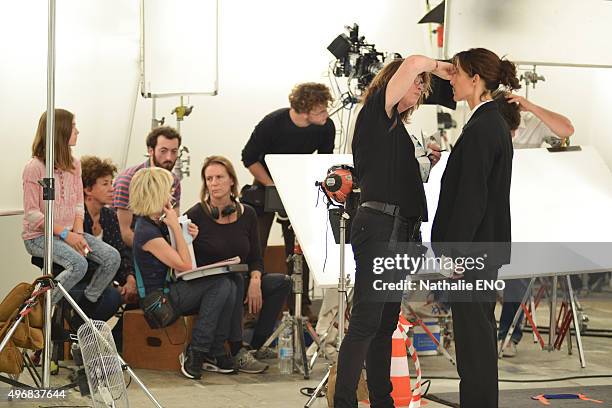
68	202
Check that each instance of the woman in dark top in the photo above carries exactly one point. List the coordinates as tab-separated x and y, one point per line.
392	207
209	297
229	229
474	210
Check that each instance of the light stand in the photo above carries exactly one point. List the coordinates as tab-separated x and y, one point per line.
298	323
47	285
48	185
48	189
342	290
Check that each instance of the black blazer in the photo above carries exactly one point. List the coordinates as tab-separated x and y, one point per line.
474	202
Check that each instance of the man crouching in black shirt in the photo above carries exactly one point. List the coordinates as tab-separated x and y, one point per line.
304	127
392	205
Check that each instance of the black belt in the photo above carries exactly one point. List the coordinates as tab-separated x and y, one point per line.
385	208
393	211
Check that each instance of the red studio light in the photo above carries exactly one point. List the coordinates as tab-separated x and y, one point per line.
339	183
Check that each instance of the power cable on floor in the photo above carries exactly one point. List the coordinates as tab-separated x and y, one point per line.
577	377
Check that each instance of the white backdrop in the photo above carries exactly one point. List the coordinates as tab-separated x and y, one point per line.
555	198
551	31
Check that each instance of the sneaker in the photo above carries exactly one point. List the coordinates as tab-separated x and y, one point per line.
266	353
191	363
510	350
222	363
246	363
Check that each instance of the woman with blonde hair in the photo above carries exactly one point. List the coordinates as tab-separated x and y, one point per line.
208	297
71	246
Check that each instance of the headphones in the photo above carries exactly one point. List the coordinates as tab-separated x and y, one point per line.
226	211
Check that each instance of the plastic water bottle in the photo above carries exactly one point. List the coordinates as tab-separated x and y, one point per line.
285	346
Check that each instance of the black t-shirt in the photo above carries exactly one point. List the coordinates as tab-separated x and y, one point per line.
383	155
153	270
217	242
276	133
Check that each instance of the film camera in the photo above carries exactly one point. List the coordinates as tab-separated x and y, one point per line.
355	58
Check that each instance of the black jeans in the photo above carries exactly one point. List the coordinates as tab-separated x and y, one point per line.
474	329
107	305
274	290
212	298
264	222
374	315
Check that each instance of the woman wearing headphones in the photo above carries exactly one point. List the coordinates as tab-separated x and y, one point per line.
229	229
209	298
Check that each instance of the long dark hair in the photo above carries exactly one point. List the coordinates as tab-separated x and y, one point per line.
384	76
493	70
63	130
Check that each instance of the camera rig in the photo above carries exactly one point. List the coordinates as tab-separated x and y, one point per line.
355	57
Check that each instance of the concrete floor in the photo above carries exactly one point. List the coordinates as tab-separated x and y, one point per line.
274	390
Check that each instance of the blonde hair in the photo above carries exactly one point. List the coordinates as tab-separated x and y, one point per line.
150	190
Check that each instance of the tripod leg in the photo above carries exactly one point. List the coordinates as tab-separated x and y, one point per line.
317	390
576	323
274	335
317	344
533	318
32	370
46	380
515	319
10	332
553	309
87	320
302	346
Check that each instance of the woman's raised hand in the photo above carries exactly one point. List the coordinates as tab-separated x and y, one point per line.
444	70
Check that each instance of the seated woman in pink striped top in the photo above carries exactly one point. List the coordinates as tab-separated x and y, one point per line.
71	247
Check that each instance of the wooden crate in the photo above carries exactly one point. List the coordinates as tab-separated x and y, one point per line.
155	349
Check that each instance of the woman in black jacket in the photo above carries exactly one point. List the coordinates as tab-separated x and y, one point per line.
473	217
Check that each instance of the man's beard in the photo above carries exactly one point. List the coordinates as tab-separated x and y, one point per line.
168	165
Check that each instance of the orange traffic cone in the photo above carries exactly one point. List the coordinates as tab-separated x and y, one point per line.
400	375
403	326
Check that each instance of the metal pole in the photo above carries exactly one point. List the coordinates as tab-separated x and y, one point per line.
9	334
570	291
87	320
515	319
342	280
154	121
48	187
552	327
342	284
